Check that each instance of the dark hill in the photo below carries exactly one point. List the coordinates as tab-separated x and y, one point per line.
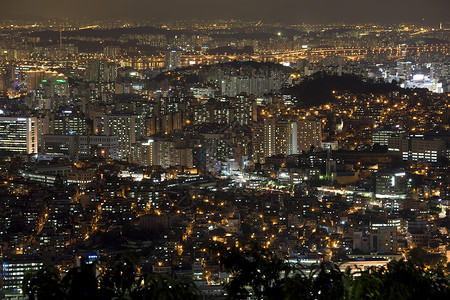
318	89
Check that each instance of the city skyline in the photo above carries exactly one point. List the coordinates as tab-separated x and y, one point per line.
233	157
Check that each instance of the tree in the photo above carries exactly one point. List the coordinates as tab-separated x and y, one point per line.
117	278
254	267
256	272
328	282
45	284
164	288
81	283
260	273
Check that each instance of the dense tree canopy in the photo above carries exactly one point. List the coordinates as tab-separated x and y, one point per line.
118	278
318	88
256	273
259	273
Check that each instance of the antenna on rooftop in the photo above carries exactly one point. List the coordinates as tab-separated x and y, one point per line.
60	39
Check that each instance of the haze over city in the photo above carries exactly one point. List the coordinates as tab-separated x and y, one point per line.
284	11
224	149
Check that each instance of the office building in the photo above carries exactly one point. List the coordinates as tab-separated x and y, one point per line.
18	134
69	122
382	136
390	183
80	146
418	147
382	239
13	273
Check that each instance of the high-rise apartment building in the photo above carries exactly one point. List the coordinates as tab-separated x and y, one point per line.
100	71
162	152
129	129
111	51
250	84
309	133
245	109
173	60
273	137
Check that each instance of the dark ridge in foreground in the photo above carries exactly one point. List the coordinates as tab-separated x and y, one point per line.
256	273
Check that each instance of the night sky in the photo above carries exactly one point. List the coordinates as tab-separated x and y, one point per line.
288	11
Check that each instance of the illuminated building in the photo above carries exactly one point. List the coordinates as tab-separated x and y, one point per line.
13	273
80	146
309	133
244	109
18	134
173	60
111	51
34	79
45	179
298	175
98	146
58	145
382	239
100	71
418	147
53	84
165	123
201	114
202	92
249	84
382	136
404	70
218	147
168	154
162	152
222	114
69	122
81	177
262	140
129	129
273	137
390	183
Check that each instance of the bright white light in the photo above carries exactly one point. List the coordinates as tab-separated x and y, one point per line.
418	77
